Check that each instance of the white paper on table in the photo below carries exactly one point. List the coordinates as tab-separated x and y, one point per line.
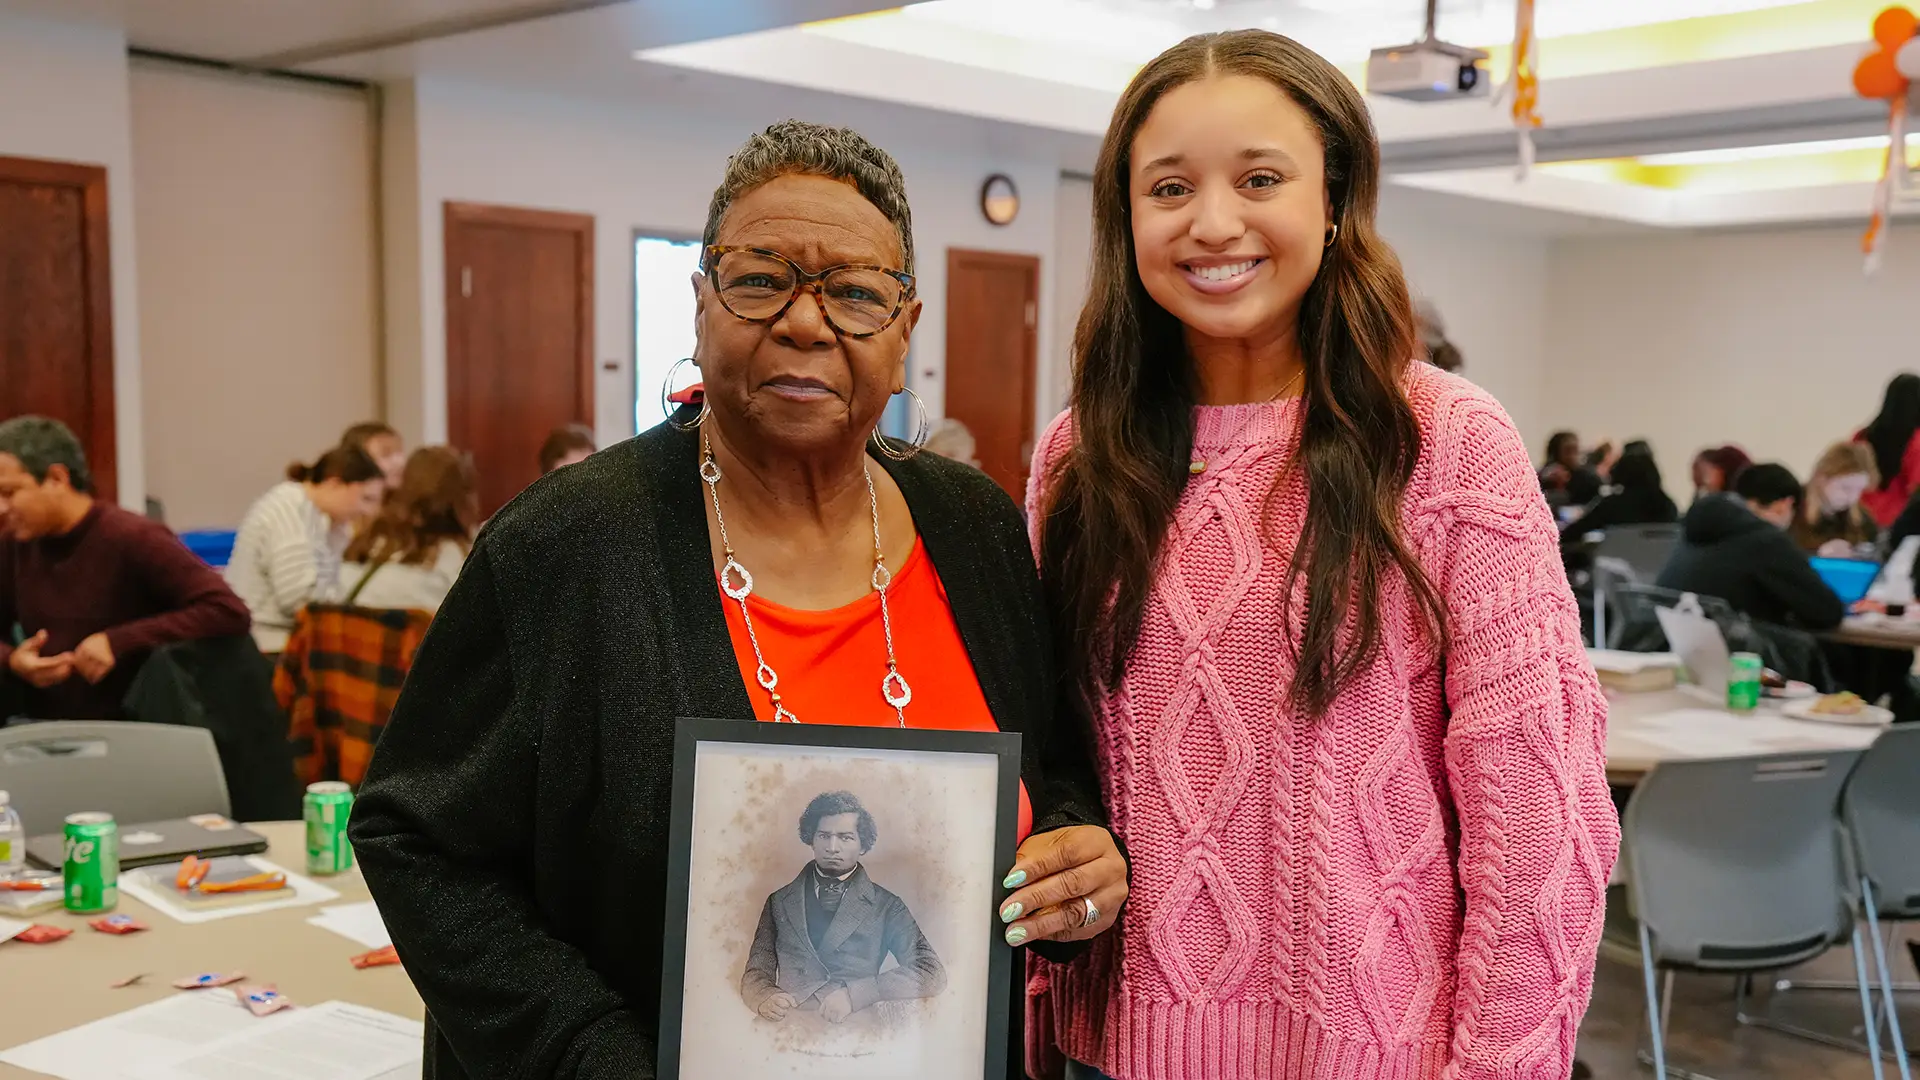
116	1047
305	891
330	1041
355	922
12	928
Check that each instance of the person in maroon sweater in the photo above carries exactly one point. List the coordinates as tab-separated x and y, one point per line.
87	589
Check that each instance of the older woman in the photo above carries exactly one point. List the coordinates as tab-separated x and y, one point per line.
514	823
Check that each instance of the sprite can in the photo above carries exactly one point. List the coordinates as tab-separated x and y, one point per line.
327	805
92	870
1743	682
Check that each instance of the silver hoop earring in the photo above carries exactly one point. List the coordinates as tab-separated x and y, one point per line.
666	397
923	429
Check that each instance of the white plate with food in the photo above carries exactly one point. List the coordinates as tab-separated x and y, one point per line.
1842	708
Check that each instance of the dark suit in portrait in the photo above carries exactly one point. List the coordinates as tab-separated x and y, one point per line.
820	933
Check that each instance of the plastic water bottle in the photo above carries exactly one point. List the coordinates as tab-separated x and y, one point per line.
13	839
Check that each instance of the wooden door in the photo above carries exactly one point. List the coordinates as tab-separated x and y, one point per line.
56	307
993	312
519	337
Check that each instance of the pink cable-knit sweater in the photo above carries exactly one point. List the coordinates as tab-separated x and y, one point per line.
1409	887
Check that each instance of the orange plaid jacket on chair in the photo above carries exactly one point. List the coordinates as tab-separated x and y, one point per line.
338	679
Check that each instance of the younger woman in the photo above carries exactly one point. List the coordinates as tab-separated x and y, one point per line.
410	556
1831	520
1313	600
287	552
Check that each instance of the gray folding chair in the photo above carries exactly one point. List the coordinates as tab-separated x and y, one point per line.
136	772
1627	554
1733	867
1880	811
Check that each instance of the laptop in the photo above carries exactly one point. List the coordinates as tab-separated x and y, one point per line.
206	835
1848	578
1697	641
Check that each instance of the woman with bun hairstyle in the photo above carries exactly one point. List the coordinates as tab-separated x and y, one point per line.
287	552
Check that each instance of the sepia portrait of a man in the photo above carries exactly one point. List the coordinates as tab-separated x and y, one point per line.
825	937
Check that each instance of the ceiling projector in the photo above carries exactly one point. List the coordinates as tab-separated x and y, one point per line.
1428	69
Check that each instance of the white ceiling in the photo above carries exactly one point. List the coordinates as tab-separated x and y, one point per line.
559	32
1040	76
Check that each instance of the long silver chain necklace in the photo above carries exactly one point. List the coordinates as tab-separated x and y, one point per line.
893	687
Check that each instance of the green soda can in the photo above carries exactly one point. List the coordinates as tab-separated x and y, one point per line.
93	863
327	806
1743	682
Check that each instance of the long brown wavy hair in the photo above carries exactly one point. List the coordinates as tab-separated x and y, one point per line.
438	499
1110	499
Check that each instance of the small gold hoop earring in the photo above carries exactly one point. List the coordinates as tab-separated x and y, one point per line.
1333	233
666	397
921	431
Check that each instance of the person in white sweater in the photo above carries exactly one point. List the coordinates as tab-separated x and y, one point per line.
287	551
411	554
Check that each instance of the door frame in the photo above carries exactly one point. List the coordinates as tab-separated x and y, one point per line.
1029	394
102	440
456	214
641	232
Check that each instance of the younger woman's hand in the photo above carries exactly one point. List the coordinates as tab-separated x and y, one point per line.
1054	875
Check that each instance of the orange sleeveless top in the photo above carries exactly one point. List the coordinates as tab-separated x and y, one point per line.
830	663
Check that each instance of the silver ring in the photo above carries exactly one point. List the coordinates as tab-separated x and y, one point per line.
1093	913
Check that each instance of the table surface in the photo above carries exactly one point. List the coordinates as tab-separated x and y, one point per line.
1633	746
306	963
1878	631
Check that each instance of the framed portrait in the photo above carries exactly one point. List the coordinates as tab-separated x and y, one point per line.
831	910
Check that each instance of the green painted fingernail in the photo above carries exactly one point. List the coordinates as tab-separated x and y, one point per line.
1010	912
1015	879
1016	935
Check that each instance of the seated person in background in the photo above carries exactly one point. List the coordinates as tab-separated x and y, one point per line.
1894	436
1832	521
93	588
287	551
1739	550
1441	353
1638	499
411	554
568	445
384	445
1716	468
1563	458
952	440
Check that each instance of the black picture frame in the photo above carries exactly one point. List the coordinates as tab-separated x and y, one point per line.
691	732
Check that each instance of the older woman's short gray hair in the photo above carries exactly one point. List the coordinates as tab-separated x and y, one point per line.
793	147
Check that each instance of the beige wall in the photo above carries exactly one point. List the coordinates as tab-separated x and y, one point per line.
258	279
1771	339
63	97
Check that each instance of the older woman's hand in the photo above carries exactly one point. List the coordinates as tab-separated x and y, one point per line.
1056	873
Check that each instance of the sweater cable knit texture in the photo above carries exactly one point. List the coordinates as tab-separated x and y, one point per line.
1409	887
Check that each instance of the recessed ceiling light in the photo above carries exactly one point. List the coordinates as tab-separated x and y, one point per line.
1203	5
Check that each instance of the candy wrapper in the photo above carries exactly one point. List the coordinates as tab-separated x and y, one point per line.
377	958
118	924
207	982
38	934
261	1000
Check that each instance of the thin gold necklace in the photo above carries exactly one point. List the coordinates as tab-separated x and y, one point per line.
1199	464
893	687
